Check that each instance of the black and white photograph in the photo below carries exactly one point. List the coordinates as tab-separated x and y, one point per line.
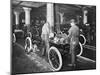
51	37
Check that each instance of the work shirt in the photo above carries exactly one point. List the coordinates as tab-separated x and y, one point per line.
73	34
45	31
45	28
45	37
73	40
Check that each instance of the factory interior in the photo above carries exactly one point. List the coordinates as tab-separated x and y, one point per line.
27	20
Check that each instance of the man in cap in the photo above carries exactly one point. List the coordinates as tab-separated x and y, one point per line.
73	37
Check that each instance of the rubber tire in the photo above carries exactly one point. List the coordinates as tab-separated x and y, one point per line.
81	49
30	47
14	38
83	38
60	58
30	35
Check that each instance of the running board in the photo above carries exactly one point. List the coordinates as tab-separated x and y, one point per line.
89	47
85	60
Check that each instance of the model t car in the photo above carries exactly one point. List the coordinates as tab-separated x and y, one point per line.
58	47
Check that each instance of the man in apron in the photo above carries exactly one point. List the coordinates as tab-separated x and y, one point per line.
73	37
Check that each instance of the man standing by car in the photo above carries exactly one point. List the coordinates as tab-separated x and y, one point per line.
73	37
45	37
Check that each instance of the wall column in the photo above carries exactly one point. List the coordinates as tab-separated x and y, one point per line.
27	17
50	14
85	18
16	17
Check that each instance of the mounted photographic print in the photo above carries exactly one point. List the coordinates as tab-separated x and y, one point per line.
52	37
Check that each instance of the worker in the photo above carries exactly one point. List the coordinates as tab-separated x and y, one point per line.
45	38
73	36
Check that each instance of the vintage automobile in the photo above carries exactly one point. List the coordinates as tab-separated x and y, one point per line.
58	48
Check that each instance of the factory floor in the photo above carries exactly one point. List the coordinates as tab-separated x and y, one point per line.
36	63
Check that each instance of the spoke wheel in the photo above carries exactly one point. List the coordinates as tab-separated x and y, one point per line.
82	39
28	44
14	38
79	49
55	58
29	34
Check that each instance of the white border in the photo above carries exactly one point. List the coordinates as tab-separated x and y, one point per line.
5	37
